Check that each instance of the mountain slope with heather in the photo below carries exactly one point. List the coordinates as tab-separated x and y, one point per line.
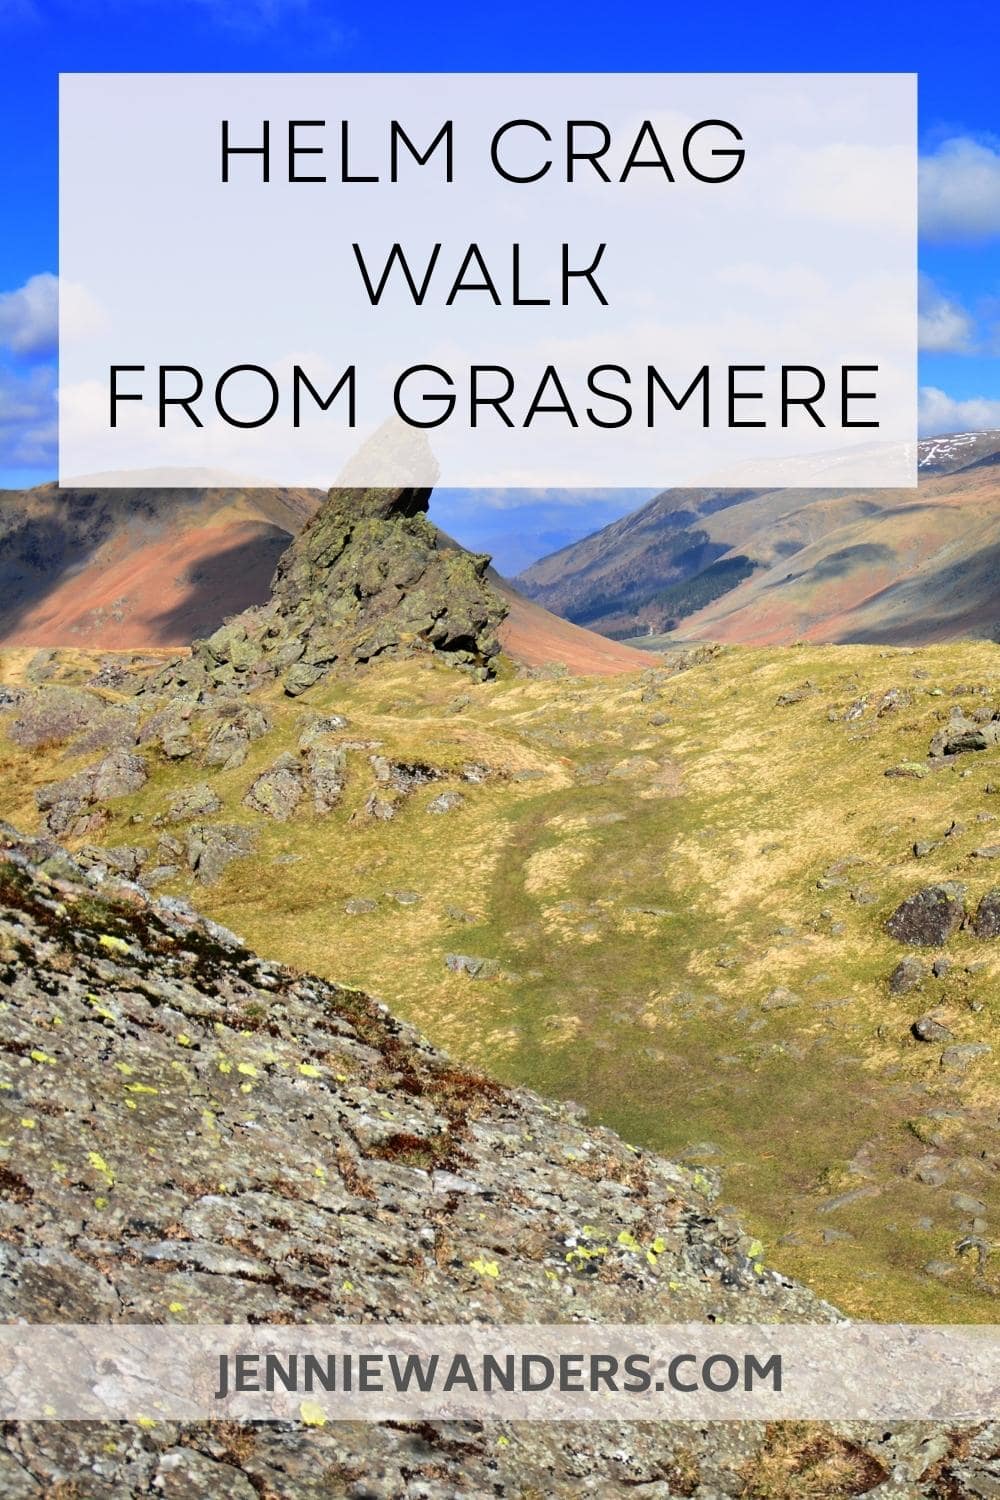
775	566
124	568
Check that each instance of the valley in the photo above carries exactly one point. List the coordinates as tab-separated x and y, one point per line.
774	566
736	902
662	895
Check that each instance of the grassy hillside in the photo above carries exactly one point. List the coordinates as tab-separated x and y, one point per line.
678	882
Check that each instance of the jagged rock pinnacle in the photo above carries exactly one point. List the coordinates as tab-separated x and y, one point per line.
368	576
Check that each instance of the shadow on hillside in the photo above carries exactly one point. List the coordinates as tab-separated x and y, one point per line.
38	552
216	587
47	535
960	598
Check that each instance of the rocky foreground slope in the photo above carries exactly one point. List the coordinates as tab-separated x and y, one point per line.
193	1134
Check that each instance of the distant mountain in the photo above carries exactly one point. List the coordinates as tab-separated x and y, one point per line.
777	565
131	568
118	568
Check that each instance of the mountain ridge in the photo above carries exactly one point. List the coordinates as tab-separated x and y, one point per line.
693	562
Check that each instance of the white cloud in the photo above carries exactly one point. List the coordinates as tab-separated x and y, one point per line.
960	191
945	327
28	428
939	412
29	317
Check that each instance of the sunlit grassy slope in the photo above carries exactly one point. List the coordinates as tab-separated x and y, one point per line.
648	861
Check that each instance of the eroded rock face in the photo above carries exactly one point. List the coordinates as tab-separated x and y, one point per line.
930	916
367	577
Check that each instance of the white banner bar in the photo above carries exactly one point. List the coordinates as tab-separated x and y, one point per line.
565	1372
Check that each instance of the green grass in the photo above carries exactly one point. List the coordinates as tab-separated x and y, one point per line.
724	820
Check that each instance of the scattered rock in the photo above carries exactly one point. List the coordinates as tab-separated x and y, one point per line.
328	724
963	1054
964	1203
962	734
930	916
198	801
780	999
446	802
927	1029
277	791
360	906
475	968
796	695
986	923
909	974
381	807
403	776
932	1170
213	846
916	770
893	700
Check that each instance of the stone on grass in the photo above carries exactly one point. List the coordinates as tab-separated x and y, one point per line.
927	1029
197	801
471	965
908	975
930	916
986	923
277	791
446	802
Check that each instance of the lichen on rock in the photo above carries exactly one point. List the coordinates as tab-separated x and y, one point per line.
369	576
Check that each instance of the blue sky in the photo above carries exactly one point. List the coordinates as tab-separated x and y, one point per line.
955	50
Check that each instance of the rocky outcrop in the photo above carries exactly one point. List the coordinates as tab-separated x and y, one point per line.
211	847
71	806
930	916
369	576
964	732
235	1140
